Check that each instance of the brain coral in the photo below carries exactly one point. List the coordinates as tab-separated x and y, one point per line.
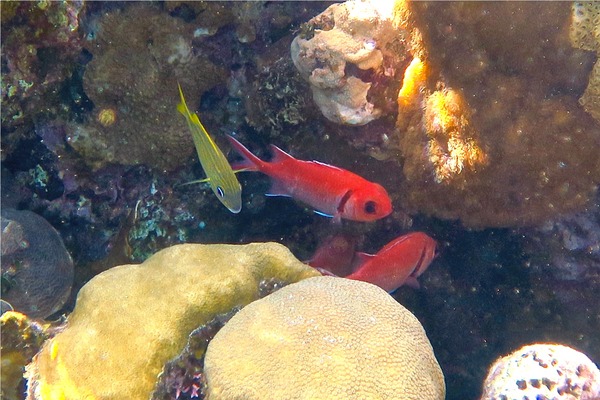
325	338
543	371
140	53
130	320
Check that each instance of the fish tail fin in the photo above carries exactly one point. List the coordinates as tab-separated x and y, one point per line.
250	162
182	106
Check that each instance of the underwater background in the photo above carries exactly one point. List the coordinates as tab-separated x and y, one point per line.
481	120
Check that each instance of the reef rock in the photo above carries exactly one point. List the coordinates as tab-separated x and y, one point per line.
348	54
37	270
327	338
585	34
139	56
543	371
135	318
489	124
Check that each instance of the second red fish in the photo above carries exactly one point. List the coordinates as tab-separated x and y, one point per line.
329	190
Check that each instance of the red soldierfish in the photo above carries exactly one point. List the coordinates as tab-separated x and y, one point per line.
399	262
330	190
334	255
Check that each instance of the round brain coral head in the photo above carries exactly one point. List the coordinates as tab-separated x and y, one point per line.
326	338
367	205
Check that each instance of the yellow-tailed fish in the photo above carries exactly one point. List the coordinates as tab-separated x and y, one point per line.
219	173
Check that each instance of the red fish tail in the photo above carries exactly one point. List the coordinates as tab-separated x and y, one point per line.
250	162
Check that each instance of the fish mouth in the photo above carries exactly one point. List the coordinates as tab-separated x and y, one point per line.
235	210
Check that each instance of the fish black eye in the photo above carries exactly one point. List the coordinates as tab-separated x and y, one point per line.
370	207
220	191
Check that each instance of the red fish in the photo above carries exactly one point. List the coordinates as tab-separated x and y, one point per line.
399	262
330	190
334	255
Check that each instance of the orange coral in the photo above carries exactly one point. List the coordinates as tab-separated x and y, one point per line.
452	145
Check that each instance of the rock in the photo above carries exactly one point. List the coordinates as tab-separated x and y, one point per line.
348	50
37	270
140	55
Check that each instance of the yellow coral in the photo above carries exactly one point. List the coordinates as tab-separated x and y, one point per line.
413	83
21	339
451	145
107	117
325	338
131	319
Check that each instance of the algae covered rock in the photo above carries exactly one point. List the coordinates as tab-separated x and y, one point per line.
131	319
489	125
140	54
325	338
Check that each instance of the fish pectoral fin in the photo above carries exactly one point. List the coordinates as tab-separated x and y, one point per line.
241	169
412	282
205	180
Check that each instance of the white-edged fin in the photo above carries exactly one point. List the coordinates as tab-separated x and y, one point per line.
327	165
323	214
277	189
364	257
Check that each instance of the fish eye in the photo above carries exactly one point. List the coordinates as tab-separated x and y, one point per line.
370	207
220	191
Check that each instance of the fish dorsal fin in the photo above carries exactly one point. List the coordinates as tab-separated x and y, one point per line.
364	257
279	155
327	165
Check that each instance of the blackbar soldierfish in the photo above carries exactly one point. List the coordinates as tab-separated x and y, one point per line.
400	262
330	190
